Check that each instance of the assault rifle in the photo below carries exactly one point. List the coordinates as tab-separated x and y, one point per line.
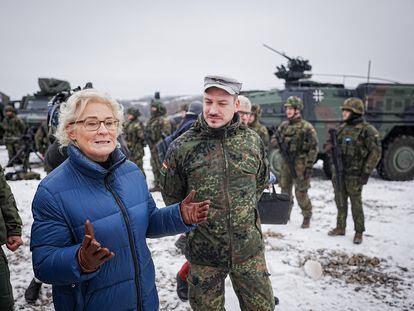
22	155
284	150
336	158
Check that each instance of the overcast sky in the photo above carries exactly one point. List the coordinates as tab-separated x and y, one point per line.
133	48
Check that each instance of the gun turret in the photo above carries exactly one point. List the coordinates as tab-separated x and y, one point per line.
295	70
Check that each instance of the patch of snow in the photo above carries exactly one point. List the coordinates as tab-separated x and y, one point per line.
376	275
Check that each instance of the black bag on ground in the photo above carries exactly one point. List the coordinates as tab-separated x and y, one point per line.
274	208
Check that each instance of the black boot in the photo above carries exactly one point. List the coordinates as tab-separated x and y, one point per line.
305	223
358	238
32	292
182	288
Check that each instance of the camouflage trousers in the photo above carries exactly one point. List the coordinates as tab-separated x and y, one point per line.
301	184
250	281
156	166
6	292
352	190
137	157
12	149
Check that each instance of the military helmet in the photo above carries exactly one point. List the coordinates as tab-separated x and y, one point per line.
9	108
353	104
161	109
195	107
294	102
134	111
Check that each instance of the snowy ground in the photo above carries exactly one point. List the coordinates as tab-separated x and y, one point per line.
376	275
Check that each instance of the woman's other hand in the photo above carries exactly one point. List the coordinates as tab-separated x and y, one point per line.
194	212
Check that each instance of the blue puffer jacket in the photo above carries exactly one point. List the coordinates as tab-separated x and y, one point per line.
123	214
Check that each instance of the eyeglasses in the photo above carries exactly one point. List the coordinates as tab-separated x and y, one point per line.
244	113
93	124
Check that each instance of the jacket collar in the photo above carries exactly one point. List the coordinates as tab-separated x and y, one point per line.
221	132
91	168
295	120
354	119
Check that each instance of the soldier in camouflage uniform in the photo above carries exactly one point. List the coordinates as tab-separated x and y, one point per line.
255	125
10	234
158	127
360	147
42	138
13	128
134	135
302	143
223	160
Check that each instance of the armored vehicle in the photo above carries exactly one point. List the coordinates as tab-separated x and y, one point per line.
33	109
388	106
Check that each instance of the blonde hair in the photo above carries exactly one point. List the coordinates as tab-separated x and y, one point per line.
245	103
72	109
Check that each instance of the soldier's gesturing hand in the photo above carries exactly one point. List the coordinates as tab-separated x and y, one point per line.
14	242
91	255
194	212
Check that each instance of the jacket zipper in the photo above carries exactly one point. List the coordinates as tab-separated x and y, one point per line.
226	183
130	238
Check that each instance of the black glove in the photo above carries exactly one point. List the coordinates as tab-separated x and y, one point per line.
364	178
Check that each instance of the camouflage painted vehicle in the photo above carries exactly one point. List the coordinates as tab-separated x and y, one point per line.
388	106
33	109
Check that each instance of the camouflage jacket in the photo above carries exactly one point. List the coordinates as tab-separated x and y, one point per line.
300	137
157	128
360	146
42	138
262	131
10	222
134	136
227	166
13	128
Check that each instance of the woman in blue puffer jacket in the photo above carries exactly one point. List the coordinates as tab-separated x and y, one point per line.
93	213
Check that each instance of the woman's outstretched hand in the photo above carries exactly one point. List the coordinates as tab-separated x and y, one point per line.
91	255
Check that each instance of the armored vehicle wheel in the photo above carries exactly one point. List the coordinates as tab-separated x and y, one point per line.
275	162
398	159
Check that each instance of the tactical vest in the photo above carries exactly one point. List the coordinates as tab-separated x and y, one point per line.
296	137
354	151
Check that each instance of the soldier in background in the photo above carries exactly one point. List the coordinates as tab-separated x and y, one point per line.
255	125
299	136
360	147
134	136
245	109
157	128
13	129
176	122
222	159
42	138
10	234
